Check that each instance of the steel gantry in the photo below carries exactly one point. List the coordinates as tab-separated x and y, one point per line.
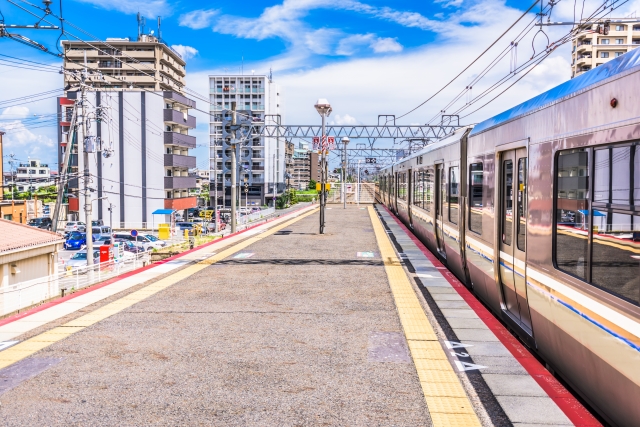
423	132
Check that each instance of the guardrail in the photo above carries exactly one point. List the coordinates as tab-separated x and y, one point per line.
26	294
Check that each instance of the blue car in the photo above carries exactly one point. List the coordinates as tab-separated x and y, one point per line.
76	240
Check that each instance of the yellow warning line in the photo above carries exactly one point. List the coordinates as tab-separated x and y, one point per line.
446	400
33	345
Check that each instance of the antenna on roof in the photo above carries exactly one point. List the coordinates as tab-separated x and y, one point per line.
159	33
141	23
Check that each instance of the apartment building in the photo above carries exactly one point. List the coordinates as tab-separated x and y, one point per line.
592	47
306	167
146	63
139	154
260	160
31	176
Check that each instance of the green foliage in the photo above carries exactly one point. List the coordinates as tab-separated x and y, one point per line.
312	184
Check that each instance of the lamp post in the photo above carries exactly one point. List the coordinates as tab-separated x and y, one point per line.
345	142
324	109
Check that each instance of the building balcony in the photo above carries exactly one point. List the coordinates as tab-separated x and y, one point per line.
179	182
181	203
179	161
179	139
178	118
176	97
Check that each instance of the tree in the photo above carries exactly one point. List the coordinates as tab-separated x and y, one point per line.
312	184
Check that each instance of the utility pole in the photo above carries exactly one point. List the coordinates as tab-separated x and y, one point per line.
358	185
275	191
73	131
85	159
215	184
233	167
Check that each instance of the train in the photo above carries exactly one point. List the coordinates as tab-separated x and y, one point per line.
537	211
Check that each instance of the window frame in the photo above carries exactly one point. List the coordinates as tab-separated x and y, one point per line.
610	208
450	194
470	189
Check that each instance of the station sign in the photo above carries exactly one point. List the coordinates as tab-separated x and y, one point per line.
328	143
370	160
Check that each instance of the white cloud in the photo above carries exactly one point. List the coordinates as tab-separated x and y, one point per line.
16	112
187	52
387	44
197	19
151	8
344	120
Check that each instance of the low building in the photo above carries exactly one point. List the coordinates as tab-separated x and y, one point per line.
28	266
14	210
289	149
31	176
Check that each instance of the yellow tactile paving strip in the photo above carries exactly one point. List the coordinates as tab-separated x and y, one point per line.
446	400
33	345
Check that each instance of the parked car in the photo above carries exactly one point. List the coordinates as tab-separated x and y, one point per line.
76	240
185	225
100	231
255	210
75	226
79	259
97	223
140	240
130	247
103	241
154	239
43	223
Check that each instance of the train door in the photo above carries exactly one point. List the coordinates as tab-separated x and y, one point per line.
410	195
441	195
512	235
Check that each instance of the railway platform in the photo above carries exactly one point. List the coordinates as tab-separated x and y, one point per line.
279	325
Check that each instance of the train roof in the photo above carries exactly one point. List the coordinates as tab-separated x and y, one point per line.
609	69
449	139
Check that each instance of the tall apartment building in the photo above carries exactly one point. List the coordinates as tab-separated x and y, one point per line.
306	167
260	160
591	48
140	160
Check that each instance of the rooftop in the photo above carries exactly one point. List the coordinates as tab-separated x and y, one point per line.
21	236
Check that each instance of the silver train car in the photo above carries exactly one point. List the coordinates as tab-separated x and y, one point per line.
537	211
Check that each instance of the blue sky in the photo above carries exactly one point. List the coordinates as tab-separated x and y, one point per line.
368	57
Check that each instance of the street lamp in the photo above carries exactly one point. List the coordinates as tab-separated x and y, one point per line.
324	109
345	142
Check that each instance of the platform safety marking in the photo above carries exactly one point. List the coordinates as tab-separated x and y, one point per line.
244	255
365	254
446	400
31	346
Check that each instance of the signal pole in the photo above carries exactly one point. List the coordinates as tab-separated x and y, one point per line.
345	142
85	159
233	168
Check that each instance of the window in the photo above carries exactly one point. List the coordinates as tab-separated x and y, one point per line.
429	189
619	54
418	188
521	226
615	225
604	41
402	186
619	41
604	54
454	180
619	27
475	197
507	202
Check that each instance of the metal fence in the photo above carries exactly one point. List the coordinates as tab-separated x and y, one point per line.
355	193
32	292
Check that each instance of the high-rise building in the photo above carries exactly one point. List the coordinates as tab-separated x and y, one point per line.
260	160
592	47
140	160
306	167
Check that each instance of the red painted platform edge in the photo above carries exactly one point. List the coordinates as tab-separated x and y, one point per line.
571	407
88	289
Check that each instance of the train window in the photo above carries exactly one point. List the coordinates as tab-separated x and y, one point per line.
428	196
612	177
475	197
507	202
418	188
521	226
572	194
454	180
601	181
636	177
402	186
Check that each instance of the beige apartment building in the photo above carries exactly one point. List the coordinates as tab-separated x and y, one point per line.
146	64
591	49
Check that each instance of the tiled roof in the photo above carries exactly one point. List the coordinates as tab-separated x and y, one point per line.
14	235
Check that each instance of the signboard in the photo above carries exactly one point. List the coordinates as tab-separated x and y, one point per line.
134	233
328	143
370	160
